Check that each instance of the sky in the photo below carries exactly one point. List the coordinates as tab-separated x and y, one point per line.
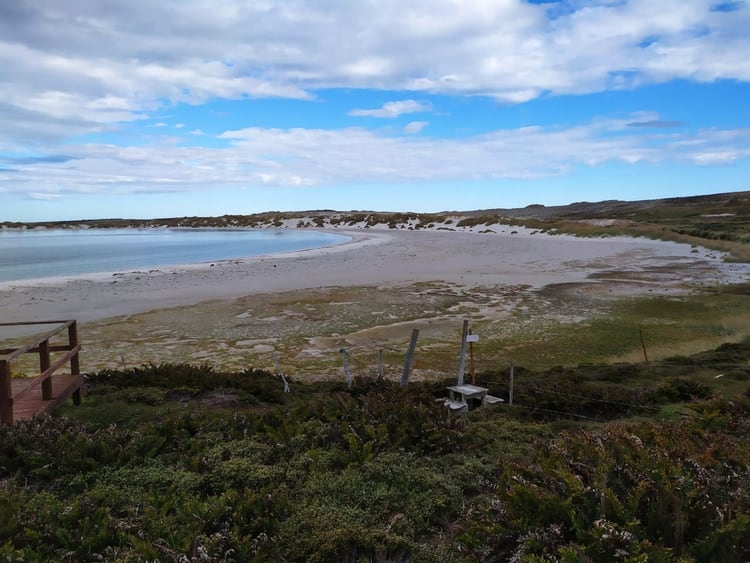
170	108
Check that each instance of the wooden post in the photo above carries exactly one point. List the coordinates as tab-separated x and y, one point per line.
44	364
409	357
471	361
462	360
345	361
643	345
510	391
44	347
381	373
75	363
75	366
6	399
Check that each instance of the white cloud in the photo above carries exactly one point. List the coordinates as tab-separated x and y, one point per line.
313	157
414	127
106	62
393	109
715	157
77	67
44	196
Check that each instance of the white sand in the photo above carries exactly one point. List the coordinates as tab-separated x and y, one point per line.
377	257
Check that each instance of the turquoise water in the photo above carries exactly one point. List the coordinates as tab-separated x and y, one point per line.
31	254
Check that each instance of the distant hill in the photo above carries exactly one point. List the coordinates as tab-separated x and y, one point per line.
720	221
733	203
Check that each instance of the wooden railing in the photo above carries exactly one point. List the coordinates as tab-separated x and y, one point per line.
14	390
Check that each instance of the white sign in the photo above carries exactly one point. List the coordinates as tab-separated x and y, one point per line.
472	338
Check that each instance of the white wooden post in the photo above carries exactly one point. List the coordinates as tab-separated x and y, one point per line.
281	373
345	361
471	339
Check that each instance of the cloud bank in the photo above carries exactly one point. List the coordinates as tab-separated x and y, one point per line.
78	65
82	67
306	157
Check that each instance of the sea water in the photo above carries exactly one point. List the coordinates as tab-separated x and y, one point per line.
42	253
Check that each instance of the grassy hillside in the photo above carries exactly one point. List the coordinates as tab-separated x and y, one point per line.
718	221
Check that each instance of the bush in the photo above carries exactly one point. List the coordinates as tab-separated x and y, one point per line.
679	389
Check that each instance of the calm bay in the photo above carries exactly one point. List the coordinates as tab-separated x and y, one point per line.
43	253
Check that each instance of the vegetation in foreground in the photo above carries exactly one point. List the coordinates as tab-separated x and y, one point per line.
623	462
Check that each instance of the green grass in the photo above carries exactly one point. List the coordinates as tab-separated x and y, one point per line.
102	412
670	326
673	411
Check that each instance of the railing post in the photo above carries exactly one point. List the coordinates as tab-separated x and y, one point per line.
44	364
6	400
75	365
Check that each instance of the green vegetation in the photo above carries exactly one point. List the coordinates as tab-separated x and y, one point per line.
626	462
717	221
479	220
270	219
602	457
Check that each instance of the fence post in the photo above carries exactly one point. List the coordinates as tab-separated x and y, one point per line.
409	357
6	399
471	362
510	392
281	373
643	345
380	365
345	361
462	361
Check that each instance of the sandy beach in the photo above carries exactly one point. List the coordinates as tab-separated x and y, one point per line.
371	258
381	260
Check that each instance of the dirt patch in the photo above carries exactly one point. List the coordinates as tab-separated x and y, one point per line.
305	328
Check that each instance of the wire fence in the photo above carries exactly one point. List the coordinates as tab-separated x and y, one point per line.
371	358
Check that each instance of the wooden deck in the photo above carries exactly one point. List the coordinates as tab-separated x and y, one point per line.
25	397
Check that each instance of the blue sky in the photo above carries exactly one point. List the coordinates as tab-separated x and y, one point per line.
129	108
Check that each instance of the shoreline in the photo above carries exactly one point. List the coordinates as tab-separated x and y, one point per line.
91	297
376	257
100	275
107	275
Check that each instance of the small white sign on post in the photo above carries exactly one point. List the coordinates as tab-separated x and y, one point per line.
472	338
